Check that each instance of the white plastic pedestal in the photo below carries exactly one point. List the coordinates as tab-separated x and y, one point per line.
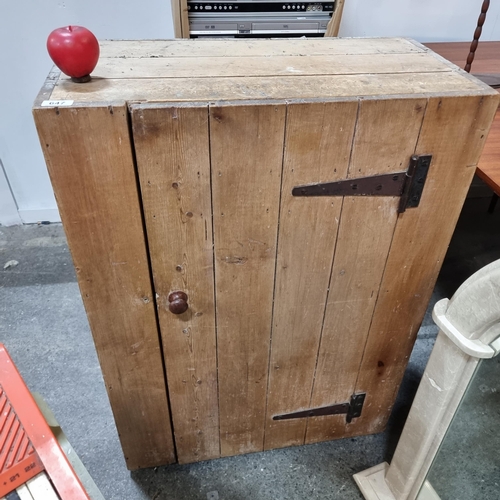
469	330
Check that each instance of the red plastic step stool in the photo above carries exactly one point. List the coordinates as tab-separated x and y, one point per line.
27	445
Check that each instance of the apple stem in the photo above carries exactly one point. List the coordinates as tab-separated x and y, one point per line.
70	28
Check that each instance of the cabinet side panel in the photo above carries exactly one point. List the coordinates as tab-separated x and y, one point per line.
317	149
454	132
246	148
172	149
386	137
90	162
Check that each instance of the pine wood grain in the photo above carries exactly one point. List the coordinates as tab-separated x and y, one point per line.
420	242
265	69
260	88
317	149
254	47
183	7
234	66
176	19
173	161
367	225
89	158
334	24
488	167
246	153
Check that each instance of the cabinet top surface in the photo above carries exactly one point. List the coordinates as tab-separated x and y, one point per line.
259	69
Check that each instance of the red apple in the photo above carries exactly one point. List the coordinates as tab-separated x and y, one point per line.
75	51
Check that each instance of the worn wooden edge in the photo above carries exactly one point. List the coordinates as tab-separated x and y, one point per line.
138	105
47	87
54	76
292	41
434	84
183	8
176	19
179	18
332	30
135	104
454	67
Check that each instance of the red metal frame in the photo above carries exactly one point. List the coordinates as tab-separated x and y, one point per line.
26	430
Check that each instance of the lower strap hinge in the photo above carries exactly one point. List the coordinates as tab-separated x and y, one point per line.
352	409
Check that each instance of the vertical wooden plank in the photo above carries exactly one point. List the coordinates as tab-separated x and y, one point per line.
183	6
180	18
89	158
381	145
246	148
317	149
334	24
172	148
419	245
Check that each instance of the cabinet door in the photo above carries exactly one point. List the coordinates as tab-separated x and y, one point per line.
173	158
295	303
354	277
332	253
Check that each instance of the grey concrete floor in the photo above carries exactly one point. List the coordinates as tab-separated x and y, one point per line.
44	327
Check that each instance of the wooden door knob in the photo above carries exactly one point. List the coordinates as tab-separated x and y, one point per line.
178	302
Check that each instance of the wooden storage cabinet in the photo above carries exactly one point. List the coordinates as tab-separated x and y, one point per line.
174	170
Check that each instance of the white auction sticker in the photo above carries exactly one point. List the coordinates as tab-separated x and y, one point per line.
56	103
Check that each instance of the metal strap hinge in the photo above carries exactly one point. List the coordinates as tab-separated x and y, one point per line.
408	184
352	409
